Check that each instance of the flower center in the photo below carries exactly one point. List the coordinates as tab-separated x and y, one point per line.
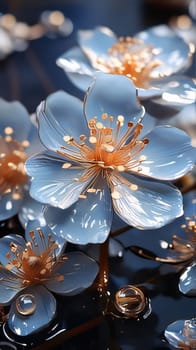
190	229
36	262
12	158
130	57
106	149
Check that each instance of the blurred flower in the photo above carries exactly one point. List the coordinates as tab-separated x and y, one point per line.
34	268
18	139
101	159
151	59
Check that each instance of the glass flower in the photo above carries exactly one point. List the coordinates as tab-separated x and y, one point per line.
179	246
18	139
32	270
181	334
100	160
153	59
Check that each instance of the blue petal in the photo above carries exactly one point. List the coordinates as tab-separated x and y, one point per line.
10	285
60	115
97	42
168	154
79	272
114	95
51	184
9	206
187	282
173	51
35	144
77	68
147	204
5	247
87	221
186	121
176	91
181	334
30	210
14	114
44	312
41	239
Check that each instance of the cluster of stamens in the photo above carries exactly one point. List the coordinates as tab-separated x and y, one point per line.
190	229
185	248
34	264
130	57
12	158
104	150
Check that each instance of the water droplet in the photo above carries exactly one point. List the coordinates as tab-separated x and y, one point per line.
25	304
130	301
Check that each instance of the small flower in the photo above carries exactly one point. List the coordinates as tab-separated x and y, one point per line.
34	268
180	249
151	59
181	334
18	139
101	160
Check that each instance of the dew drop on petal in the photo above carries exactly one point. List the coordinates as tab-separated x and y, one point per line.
26	304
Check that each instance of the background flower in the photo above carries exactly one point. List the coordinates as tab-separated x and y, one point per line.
33	268
151	59
18	139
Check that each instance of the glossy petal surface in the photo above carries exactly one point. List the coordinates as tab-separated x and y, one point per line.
30	210
8	287
77	68
115	95
176	91
187	282
79	272
61	115
168	154
51	184
151	205
181	334
8	206
45	310
14	114
87	221
172	50
96	42
5	243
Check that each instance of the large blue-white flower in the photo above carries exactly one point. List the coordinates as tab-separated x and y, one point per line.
98	160
34	268
154	60
18	139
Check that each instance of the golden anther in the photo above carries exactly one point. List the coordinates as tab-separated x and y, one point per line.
66	165
8	130
92	139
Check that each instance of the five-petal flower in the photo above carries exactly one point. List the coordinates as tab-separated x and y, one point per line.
18	139
101	160
33	268
151	59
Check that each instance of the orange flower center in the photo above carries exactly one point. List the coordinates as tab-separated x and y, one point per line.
12	158
106	150
130	57
34	265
